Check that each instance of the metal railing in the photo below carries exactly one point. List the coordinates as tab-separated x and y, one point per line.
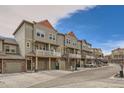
46	53
74	55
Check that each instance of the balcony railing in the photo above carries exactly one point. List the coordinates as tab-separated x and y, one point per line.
90	57
74	55
45	53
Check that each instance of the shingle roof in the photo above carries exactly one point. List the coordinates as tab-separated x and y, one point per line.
10	56
8	40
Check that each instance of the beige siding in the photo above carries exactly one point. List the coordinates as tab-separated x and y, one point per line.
20	38
72	40
46	32
60	42
11	47
1	46
29	37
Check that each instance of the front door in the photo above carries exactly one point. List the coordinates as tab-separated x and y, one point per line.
29	66
0	66
57	66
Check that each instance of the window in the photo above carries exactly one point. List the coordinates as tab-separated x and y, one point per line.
13	50
52	37
28	44
42	35
38	34
67	41
7	49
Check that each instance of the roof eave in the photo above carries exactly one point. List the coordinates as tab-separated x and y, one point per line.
24	21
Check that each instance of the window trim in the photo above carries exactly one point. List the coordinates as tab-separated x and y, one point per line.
28	42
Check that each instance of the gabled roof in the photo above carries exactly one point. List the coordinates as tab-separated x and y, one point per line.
46	23
23	21
118	49
86	42
71	34
60	34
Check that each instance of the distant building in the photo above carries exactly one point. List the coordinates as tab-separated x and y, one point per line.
117	55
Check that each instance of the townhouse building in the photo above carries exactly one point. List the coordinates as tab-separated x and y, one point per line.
10	58
86	53
39	46
97	52
117	55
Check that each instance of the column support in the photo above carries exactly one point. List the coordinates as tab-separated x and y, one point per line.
49	63
36	65
2	67
49	46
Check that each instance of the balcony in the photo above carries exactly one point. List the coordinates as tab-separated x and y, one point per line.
74	55
45	53
90	57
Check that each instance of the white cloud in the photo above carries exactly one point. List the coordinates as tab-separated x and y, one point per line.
110	45
11	16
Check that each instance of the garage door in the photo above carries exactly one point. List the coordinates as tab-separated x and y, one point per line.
13	67
43	64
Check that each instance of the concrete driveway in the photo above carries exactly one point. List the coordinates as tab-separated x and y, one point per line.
21	80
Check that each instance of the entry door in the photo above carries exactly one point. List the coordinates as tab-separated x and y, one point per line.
57	66
29	65
0	66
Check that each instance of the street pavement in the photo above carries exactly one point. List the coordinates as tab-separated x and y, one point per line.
95	78
83	77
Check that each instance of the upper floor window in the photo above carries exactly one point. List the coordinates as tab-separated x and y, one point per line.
74	43
68	41
7	49
13	50
42	35
38	34
52	37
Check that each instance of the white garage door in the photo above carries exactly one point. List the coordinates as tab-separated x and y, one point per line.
13	67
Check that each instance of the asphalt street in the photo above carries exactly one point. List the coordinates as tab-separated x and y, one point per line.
91	78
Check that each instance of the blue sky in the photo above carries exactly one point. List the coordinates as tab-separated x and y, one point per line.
102	26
